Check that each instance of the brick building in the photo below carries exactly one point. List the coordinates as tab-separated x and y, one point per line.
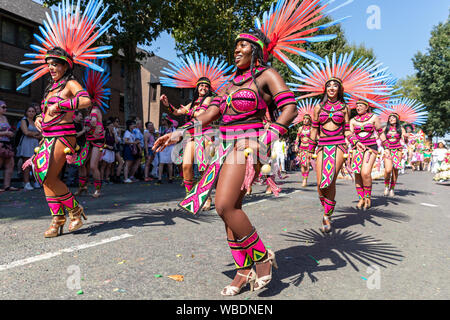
19	20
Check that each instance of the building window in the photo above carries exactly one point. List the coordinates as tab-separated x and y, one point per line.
16	34
122	103
10	80
154	91
6	80
8	32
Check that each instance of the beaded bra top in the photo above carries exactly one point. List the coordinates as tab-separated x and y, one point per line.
332	111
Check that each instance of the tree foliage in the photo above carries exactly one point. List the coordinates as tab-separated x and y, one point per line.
137	22
409	87
211	26
433	79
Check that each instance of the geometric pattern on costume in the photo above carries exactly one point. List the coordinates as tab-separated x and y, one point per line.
82	154
248	250
357	161
57	203
199	148
328	166
328	206
304	158
396	159
56	207
41	160
360	192
196	198
367	192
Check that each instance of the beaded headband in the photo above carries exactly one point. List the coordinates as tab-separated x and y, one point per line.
204	81
334	79
251	38
66	59
361	101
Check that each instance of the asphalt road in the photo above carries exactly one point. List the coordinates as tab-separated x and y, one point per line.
135	237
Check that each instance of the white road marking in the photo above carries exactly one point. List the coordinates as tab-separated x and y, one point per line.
50	255
428	204
279	196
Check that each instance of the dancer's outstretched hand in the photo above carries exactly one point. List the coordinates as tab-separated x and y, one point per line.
164	100
167	140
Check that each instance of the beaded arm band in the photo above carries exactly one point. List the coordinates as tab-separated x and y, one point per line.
284	98
171	108
72	104
215	102
190	126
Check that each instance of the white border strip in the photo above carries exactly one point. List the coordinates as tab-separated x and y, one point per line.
50	255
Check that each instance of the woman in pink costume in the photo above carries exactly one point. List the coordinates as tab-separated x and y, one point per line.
62	97
241	107
397	111
206	76
94	83
305	113
331	120
365	127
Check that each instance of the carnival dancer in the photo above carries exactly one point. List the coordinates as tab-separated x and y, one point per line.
305	113
206	76
365	127
331	120
92	151
397	111
241	106
63	46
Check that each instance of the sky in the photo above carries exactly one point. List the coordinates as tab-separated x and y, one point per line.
404	29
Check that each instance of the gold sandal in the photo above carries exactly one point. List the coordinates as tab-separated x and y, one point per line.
75	215
56	228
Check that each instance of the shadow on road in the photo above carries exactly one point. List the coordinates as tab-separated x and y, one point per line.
162	217
349	216
314	252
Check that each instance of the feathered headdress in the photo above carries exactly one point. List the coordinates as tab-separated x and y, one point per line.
94	83
359	79
305	107
71	30
406	110
386	86
186	72
285	26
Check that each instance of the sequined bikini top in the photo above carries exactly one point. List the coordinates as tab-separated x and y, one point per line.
332	111
306	132
368	127
243	102
393	134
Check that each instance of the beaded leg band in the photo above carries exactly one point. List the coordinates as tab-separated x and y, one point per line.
328	206
360	192
248	250
57	203
367	192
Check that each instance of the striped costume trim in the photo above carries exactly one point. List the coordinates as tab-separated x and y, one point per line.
284	98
